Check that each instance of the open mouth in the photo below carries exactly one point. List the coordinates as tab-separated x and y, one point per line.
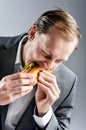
30	66
37	63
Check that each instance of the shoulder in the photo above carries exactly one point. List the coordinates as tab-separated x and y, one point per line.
65	76
66	80
9	41
64	71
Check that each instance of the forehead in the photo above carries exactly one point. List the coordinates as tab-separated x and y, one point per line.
57	44
55	40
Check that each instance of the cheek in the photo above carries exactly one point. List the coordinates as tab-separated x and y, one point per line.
37	54
34	55
27	57
57	65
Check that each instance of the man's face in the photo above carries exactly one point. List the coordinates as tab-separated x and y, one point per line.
48	50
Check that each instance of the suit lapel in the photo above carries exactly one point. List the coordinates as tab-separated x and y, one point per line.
8	56
3	110
7	61
27	121
8	51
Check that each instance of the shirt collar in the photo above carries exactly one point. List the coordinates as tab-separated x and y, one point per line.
18	56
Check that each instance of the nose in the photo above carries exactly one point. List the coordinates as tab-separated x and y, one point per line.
49	65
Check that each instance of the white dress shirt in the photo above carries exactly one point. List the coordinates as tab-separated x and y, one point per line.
16	109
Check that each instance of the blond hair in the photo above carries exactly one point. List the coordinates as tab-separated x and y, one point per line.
59	19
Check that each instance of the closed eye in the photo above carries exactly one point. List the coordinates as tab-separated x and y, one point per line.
48	56
59	61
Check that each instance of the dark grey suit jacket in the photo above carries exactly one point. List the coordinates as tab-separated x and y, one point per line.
66	80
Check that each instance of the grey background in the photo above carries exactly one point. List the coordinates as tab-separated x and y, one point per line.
16	16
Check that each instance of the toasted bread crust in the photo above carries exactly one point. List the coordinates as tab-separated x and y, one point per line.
35	71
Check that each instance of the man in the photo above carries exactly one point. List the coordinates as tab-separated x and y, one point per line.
49	42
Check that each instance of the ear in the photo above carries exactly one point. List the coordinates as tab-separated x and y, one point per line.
32	32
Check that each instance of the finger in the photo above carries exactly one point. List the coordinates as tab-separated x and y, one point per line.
21	89
50	96
50	86
47	77
13	97
47	84
10	92
20	82
17	76
47	73
1	84
48	81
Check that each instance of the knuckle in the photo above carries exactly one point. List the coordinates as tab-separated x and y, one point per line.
1	93
47	89
54	98
53	76
20	94
19	75
5	85
20	88
57	96
9	98
20	81
52	80
5	79
59	91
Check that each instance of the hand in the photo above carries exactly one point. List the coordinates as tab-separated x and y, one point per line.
14	86
47	92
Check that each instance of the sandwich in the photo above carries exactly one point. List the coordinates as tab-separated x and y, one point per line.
34	68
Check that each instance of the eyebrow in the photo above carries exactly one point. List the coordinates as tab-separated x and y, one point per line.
47	52
50	53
